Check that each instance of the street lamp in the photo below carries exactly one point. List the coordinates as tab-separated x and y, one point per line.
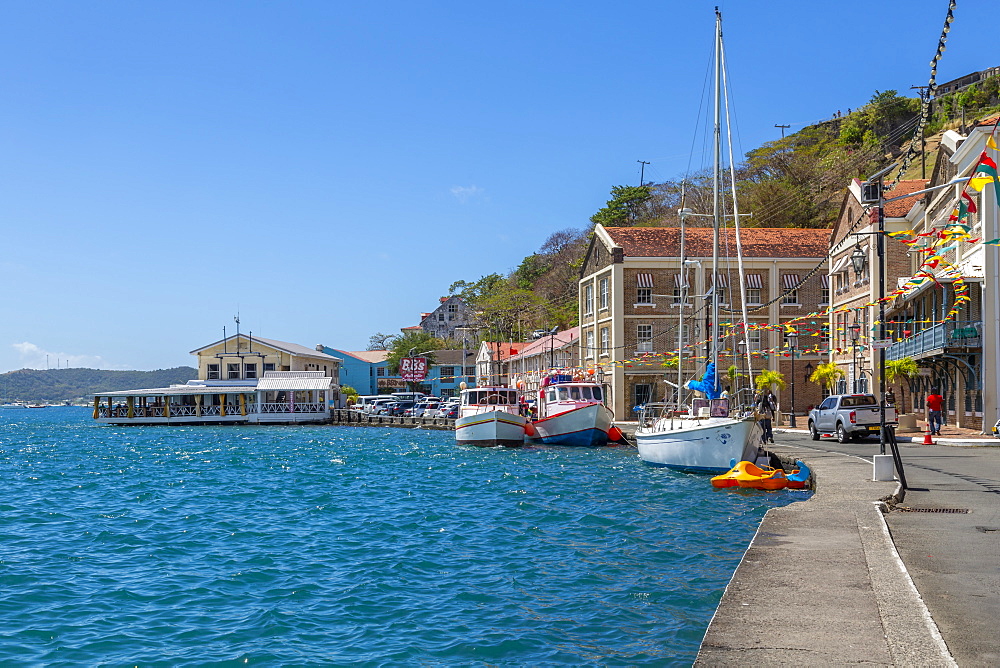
855	335
859	260
792	337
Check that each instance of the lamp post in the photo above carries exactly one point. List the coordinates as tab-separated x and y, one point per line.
855	335
792	337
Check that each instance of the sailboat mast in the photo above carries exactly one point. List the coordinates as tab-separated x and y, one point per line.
716	193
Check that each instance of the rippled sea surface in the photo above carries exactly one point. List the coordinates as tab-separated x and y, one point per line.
350	545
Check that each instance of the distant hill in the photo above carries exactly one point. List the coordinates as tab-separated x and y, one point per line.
60	385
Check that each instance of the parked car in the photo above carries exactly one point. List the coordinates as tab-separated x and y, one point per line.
399	408
849	416
379	406
449	411
424	409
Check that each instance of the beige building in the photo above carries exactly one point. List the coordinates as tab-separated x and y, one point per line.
242	357
632	314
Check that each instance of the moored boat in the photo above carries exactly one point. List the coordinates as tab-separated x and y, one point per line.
14	404
570	412
490	416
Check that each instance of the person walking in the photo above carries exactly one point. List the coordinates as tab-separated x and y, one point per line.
764	405
934	404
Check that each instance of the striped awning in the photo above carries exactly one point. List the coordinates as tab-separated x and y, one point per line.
644	280
790	281
753	281
826	280
680	281
721	280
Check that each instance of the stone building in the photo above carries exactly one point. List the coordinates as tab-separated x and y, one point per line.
632	313
448	320
854	282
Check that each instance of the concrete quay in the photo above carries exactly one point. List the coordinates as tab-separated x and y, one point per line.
858	574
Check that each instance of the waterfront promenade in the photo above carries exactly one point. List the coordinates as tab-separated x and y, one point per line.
833	581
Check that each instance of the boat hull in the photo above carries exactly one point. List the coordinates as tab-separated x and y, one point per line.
708	445
584	426
490	429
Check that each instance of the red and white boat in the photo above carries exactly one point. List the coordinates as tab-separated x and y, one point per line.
571	412
490	416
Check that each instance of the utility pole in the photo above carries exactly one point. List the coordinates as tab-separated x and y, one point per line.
642	172
922	91
782	129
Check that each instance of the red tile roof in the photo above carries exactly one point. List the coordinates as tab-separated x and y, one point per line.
903	206
757	241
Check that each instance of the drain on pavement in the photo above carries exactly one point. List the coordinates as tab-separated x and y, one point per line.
932	510
988	529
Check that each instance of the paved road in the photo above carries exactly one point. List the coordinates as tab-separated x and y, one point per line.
953	558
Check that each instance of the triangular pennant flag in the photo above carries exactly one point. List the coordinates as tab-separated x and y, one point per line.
972	205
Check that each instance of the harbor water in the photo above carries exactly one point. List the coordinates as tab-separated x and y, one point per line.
330	545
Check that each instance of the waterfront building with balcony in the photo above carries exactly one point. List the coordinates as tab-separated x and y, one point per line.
557	351
957	355
633	312
241	380
853	278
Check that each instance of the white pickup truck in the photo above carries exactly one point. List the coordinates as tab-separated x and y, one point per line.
848	416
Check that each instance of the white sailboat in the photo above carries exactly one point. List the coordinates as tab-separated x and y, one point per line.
706	438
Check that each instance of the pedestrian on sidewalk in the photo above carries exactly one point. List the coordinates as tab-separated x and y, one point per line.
765	407
934	403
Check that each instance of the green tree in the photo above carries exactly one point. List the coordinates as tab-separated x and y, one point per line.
625	208
380	341
899	370
827	375
419	343
350	393
771	379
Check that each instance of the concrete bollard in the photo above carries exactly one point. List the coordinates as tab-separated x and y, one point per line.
883	468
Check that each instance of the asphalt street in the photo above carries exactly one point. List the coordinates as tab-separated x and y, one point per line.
946	530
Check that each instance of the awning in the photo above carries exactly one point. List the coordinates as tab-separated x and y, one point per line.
680	281
291	384
721	280
790	281
841	265
644	280
826	280
753	281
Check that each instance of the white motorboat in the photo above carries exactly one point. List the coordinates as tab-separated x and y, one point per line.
14	404
571	412
490	416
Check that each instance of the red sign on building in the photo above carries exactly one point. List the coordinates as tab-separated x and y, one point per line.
413	369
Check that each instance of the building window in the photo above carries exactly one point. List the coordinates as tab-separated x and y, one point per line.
644	295
605	340
588	300
604	293
590	344
753	296
452	309
470	371
755	339
213	372
268	366
234	371
447	373
644	338
824	295
790	297
642	394
249	370
380	372
441	316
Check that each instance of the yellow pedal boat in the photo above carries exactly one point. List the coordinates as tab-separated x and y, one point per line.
748	474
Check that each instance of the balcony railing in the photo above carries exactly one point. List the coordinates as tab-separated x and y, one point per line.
959	334
232	410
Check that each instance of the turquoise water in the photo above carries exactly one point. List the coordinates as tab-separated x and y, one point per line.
348	545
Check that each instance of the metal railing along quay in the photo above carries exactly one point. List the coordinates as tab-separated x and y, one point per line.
956	334
344	416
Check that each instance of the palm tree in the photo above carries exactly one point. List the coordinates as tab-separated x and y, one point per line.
827	375
901	369
774	380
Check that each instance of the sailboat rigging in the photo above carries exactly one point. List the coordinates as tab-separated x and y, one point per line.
706	438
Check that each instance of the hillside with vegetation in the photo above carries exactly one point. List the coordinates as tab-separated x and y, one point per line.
796	181
62	385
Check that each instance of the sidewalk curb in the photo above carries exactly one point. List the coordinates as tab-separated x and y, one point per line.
953	441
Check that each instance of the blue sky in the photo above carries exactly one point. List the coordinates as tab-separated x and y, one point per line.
328	169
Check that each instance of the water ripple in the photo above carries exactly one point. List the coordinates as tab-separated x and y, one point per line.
327	545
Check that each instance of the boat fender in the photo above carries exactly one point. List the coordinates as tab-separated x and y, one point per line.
614	434
529	429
